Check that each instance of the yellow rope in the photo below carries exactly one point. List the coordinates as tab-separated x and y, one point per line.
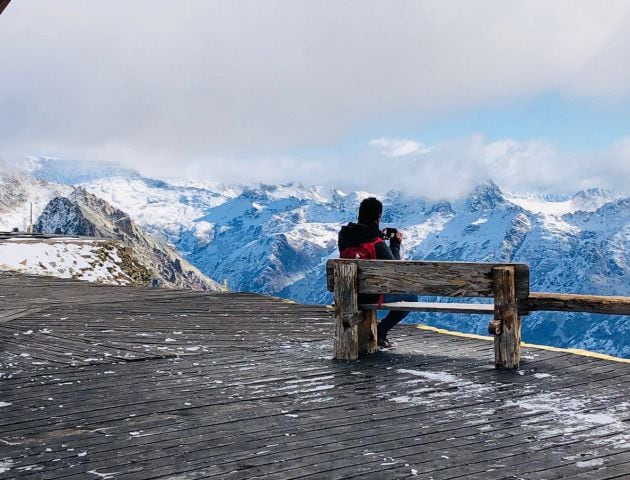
575	351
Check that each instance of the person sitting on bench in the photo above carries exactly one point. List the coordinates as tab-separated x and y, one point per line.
365	240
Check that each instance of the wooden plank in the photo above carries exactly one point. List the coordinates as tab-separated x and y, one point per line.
261	397
3	5
451	279
347	314
474	308
559	302
231	458
507	343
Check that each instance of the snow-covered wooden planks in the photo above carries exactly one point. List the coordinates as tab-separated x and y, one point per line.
262	397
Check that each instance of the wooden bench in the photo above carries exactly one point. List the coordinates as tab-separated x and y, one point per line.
355	331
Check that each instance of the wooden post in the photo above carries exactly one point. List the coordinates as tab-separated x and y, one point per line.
346	312
507	343
3	5
367	332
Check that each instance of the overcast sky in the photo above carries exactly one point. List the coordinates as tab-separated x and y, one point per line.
428	96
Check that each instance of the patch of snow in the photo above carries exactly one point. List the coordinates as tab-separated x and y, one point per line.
596	462
574	414
105	476
5	465
435	376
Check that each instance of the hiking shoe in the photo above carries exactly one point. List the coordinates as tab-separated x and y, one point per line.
386	344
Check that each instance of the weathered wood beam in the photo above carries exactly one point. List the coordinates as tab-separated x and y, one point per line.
347	314
559	302
368	334
449	279
507	341
3	5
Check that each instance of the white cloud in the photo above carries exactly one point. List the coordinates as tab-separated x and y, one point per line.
447	170
398	147
213	86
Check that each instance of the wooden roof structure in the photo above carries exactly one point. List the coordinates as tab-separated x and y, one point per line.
123	383
3	5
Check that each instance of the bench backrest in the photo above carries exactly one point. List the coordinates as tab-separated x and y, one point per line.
447	279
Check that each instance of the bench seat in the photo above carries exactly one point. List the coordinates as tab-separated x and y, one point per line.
475	308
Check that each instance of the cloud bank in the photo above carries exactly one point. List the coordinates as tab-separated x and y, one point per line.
444	171
229	88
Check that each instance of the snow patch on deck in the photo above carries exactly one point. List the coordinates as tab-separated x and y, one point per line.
575	415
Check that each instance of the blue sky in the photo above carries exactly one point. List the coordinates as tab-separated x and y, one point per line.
363	94
571	124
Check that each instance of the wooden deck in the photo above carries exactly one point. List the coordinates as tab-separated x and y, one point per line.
106	382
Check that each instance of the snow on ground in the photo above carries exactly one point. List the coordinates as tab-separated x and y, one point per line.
568	414
64	258
575	415
5	465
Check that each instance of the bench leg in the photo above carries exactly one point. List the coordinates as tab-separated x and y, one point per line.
507	342
346	340
347	314
368	332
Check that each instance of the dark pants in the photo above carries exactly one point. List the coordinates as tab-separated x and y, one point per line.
393	318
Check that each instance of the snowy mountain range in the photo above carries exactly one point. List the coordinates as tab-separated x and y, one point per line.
276	239
122	245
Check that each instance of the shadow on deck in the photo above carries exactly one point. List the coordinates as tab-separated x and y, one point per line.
113	382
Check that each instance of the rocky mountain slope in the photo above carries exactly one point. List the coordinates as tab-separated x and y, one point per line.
276	238
76	212
102	261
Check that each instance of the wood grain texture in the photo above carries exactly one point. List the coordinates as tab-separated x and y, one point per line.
578	303
238	386
450	279
368	332
507	343
347	314
346	295
346	340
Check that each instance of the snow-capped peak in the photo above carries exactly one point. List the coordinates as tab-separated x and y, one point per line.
584	201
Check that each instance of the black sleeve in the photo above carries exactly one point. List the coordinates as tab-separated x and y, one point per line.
383	252
394	246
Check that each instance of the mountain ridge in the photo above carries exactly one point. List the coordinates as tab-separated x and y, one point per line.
76	212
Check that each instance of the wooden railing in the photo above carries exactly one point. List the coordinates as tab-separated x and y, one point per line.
506	283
